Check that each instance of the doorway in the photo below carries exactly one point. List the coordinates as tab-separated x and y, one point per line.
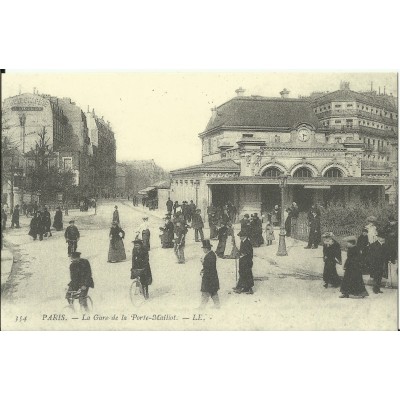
303	197
270	197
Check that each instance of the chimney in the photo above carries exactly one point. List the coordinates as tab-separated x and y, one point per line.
344	85
240	92
284	94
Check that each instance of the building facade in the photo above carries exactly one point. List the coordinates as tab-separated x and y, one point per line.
250	141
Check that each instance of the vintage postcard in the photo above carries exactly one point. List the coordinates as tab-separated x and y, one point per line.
199	201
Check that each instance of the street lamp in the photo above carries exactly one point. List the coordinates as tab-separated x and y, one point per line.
282	242
22	120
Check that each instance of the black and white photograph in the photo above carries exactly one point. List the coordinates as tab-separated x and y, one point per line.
199	201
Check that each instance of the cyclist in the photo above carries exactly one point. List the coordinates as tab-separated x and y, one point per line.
141	266
81	279
71	237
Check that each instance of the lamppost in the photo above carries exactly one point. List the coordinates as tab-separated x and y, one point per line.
22	120
282	242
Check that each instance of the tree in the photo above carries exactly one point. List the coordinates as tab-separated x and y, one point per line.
43	176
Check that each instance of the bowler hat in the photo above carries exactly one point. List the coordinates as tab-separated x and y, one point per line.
75	254
242	234
206	244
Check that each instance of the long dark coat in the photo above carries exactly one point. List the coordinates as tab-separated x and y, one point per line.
58	221
363	247
353	281
391	235
379	256
34	228
140	261
210	281
46	220
331	253
197	221
246	280
81	274
116	250
256	237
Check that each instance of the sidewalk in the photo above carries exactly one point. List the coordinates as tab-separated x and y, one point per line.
7	261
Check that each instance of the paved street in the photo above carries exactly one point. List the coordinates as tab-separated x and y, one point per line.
288	290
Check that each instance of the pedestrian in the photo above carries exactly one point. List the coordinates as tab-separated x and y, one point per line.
314	223
175	207
371	227
269	233
332	255
116	249
391	234
141	266
352	283
212	223
209	276
363	247
115	217
169	205
276	216
167	241
81	279
379	255
33	227
222	236
41	224
198	225
246	280
179	247
143	233
72	236
58	220
192	210
46	221
294	215
231	250
4	217
245	224
23	208
15	217
256	229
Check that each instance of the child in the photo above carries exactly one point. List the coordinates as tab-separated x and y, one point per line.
269	230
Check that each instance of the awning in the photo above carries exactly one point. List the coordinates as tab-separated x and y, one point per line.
311	181
143	192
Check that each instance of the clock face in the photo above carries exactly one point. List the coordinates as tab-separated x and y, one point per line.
303	135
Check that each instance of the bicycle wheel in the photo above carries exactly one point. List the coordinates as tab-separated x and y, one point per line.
136	293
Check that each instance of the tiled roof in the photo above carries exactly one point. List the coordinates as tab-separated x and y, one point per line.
214	166
264	112
350	95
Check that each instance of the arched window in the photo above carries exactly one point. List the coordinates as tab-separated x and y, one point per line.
272	172
333	173
303	172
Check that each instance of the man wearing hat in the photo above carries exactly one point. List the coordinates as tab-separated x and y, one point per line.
198	225
58	220
314	223
246	280
245	223
379	256
115	215
81	279
143	233
332	256
141	266
209	276
72	236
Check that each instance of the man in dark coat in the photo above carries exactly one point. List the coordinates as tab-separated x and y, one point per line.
246	280
245	224
41	224
192	209
169	205
256	231
72	236
363	247
212	222
141	266
15	217
198	225
332	256
81	279
34	229
314	223
209	276
47	222
222	236
352	283
379	256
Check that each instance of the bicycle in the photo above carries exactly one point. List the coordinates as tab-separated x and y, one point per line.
76	295
136	292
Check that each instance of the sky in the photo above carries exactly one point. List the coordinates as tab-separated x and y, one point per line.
158	115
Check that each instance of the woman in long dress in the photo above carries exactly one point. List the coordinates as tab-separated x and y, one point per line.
352	283
58	220
231	249
116	251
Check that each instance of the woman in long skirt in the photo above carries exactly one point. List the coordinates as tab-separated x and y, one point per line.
116	251
352	283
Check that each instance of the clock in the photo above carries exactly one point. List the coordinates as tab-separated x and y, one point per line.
303	134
